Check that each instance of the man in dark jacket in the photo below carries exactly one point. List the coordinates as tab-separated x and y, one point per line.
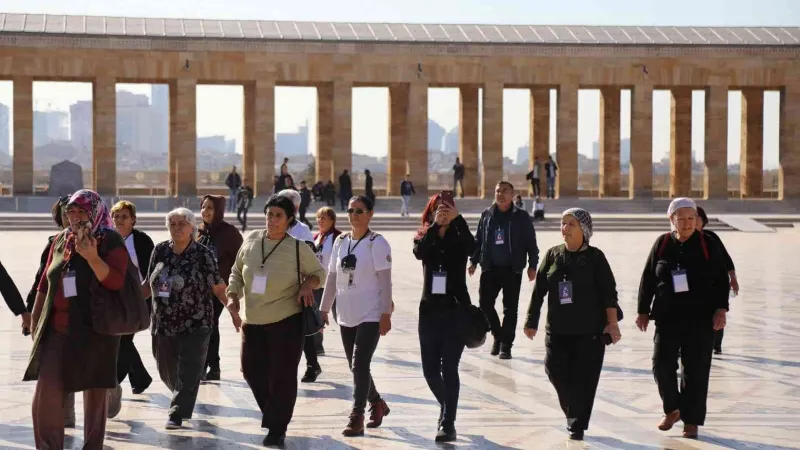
244	199
305	202
504	243
550	172
234	181
345	189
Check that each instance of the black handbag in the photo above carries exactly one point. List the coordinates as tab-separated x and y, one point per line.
473	326
312	318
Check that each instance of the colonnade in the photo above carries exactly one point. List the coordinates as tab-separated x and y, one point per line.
408	136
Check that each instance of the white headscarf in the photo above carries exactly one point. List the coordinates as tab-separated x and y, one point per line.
678	203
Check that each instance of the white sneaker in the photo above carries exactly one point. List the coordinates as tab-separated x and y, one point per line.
114	397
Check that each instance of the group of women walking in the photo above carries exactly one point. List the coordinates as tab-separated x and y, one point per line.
268	279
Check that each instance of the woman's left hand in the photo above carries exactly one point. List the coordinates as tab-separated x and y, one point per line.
87	248
612	329
385	325
306	296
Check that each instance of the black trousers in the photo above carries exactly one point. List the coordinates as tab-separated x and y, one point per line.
313	343
537	187
693	343
180	361
492	282
359	344
573	364
441	349
212	360
129	364
718	335
241	216
302	211
344	202
270	356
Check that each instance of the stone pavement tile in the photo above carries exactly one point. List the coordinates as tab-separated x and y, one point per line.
753	400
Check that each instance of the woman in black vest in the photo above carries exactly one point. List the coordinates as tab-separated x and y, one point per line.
443	244
581	317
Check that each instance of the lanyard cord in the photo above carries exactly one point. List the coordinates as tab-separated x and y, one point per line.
264	258
350	250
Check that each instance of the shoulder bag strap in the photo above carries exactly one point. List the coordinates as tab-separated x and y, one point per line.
297	255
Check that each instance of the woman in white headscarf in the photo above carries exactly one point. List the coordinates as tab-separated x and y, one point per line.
582	317
684	288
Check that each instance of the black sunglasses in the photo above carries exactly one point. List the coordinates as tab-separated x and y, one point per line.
356	211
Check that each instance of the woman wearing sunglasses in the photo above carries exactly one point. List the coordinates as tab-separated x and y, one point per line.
360	279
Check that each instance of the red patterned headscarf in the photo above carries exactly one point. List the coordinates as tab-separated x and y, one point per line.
93	205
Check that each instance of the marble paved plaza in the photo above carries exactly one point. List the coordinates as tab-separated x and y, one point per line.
754	401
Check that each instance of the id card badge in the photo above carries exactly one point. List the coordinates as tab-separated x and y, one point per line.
259	285
344	280
565	292
70	288
164	286
679	281
499	236
439	283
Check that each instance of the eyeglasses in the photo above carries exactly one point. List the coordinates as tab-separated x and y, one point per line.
357	211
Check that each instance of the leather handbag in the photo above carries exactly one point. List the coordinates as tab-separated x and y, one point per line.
312	318
122	312
472	325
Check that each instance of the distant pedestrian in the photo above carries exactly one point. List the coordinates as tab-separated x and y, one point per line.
305	201
345	189
551	171
244	199
518	202
276	184
329	193
406	191
282	177
368	186
234	182
535	176
458	177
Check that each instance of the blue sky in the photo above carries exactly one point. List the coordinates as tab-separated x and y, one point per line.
296	106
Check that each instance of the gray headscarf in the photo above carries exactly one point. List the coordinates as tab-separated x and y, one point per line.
584	219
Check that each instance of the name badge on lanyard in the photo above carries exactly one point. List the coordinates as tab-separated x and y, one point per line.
70	287
259	285
679	281
164	286
565	292
439	283
499	236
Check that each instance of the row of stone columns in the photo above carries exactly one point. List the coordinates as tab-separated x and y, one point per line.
408	152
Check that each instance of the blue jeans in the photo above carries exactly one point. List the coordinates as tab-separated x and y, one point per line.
441	348
551	187
232	199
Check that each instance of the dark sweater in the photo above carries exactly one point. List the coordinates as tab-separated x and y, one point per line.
31	300
707	279
447	254
593	290
728	261
10	292
521	238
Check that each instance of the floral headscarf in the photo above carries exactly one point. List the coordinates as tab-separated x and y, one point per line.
99	217
584	220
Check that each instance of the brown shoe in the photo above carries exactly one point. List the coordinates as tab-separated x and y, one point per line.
378	411
355	427
689	431
669	420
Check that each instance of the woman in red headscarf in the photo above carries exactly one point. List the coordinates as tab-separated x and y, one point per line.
68	356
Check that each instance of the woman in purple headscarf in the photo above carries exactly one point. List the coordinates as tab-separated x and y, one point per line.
68	356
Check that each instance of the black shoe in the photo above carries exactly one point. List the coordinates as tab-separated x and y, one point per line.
495	348
275	440
213	374
140	389
505	352
311	374
576	435
446	434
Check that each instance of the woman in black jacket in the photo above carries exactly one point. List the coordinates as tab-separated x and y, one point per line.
443	244
140	247
582	317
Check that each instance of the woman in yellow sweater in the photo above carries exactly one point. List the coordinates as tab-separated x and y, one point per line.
263	291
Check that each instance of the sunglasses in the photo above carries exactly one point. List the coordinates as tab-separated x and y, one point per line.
357	211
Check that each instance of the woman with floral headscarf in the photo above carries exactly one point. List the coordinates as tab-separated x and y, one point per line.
67	355
581	317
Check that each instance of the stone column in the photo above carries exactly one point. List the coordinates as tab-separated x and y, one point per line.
789	151
324	162
715	176
183	135
539	140
680	153
492	147
396	166
417	144
609	142
23	136
259	135
640	168
342	132
567	141
468	107
751	161
104	138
